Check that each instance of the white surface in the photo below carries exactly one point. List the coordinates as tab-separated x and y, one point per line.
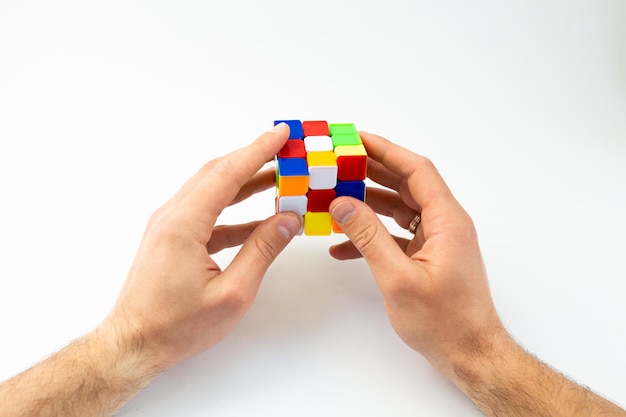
107	107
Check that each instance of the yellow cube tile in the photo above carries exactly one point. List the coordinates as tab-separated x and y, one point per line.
351	150
321	159
317	224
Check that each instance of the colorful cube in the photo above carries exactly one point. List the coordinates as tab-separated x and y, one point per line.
319	162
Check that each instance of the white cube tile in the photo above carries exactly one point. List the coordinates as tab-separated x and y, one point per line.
318	143
322	177
296	204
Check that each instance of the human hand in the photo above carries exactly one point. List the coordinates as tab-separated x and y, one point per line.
435	285
176	301
436	292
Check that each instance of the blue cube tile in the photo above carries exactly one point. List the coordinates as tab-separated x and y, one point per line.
295	128
296	167
354	189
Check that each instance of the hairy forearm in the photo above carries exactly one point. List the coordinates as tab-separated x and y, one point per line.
504	380
93	376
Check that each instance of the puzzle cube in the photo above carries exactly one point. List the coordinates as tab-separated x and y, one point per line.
319	162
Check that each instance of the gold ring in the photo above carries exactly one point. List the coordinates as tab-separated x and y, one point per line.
415	222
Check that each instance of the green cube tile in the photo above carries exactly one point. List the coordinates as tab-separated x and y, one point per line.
346	140
341	128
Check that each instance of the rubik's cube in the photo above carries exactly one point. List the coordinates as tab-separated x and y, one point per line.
318	163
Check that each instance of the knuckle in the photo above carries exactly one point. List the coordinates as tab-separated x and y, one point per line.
167	229
209	165
236	297
407	289
266	249
401	290
225	169
423	161
465	228
156	217
364	238
470	230
418	164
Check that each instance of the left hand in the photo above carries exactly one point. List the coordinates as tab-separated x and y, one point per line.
176	301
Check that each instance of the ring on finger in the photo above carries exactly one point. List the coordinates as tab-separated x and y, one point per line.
415	221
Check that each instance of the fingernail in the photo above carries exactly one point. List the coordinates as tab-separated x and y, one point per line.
278	127
288	226
343	212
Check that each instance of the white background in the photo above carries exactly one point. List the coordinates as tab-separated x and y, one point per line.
107	107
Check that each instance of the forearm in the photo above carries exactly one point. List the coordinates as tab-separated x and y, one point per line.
504	380
93	376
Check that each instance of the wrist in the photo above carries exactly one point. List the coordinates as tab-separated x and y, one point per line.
125	352
477	358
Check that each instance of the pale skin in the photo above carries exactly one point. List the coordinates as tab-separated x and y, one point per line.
176	301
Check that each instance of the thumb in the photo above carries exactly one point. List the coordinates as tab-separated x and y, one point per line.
370	237
262	247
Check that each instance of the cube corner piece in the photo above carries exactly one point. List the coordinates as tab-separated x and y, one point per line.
295	128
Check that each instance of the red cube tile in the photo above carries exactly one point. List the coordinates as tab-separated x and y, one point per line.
315	128
351	163
319	200
351	168
294	148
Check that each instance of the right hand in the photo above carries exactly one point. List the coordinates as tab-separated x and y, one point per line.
434	285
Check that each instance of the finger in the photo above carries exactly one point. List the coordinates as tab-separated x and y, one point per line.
346	250
261	181
369	236
424	182
192	182
221	184
381	175
228	236
389	204
261	248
